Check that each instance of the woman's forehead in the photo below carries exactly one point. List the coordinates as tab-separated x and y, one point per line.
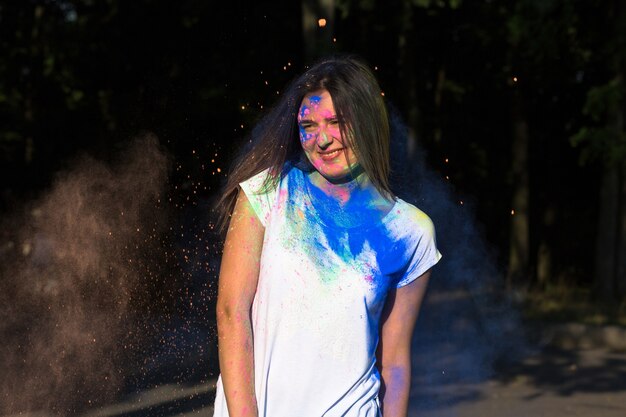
316	107
317	98
316	103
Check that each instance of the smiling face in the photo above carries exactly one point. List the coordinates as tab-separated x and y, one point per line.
321	139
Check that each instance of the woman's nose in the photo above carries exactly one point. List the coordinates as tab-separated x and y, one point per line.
324	138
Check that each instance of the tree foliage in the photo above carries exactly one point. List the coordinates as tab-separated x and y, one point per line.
87	75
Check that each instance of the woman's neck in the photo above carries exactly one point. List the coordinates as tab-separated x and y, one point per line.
349	203
352	188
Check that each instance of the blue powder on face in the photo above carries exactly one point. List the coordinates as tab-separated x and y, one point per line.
304	136
304	110
315	100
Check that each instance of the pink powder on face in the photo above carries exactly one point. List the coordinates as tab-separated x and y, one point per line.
304	111
327	114
320	136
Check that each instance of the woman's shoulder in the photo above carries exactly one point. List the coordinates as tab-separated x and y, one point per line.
267	184
262	190
256	183
267	180
407	217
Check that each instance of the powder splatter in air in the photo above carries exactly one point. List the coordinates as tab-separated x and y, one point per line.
72	263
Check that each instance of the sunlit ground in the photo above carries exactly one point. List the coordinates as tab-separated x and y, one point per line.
550	383
455	375
163	401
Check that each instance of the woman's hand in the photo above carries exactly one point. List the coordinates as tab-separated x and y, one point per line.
239	274
394	347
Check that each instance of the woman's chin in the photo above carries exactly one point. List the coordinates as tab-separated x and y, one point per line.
336	176
336	173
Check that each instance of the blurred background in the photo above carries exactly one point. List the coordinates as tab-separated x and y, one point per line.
118	121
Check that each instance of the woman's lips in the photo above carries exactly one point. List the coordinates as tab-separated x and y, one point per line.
330	155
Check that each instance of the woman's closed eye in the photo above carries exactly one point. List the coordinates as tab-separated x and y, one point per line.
308	127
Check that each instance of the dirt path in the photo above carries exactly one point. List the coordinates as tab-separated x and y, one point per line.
550	383
472	357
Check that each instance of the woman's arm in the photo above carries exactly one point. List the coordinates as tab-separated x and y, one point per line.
394	347
239	274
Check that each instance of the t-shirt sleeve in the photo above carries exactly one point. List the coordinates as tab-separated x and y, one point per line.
423	249
260	199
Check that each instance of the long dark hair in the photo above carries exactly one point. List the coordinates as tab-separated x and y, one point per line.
363	122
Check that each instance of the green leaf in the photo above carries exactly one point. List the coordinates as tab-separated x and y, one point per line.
602	99
48	65
457	90
422	3
600	143
10	136
515	26
425	4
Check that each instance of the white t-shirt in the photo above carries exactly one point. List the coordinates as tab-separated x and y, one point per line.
320	293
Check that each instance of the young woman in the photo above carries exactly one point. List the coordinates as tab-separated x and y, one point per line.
324	269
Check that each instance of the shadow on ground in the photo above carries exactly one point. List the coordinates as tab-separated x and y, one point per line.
470	352
566	373
459	361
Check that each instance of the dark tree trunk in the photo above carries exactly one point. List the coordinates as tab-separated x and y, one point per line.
544	252
407	76
318	39
620	261
610	257
606	238
519	250
35	55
